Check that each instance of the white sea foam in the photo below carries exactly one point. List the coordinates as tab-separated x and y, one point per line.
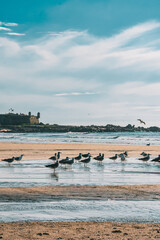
104	138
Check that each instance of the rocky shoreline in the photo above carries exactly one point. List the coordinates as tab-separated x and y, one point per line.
40	128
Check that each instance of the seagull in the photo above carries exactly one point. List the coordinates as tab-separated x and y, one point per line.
141	121
125	153
114	157
70	161
100	157
63	161
19	158
96	158
86	160
58	155
157	159
122	156
78	157
143	154
145	158
54	157
54	165
9	160
86	155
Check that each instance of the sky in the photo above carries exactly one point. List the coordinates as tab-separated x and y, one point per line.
81	62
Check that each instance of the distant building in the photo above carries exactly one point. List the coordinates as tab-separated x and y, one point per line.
18	119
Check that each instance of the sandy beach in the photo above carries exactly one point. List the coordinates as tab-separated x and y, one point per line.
80	230
119	192
77	230
33	151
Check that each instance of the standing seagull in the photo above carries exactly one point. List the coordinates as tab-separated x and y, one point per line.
54	165
96	158
9	160
64	160
157	159
86	160
54	157
126	154
144	154
100	158
145	158
122	156
19	158
70	162
114	157
86	155
78	157
58	155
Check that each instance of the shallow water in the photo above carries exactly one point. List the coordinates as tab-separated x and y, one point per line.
34	173
75	210
105	138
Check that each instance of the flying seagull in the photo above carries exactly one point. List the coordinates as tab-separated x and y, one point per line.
141	121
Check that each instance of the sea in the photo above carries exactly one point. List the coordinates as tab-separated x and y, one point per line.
137	138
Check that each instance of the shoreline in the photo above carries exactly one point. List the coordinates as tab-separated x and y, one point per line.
34	151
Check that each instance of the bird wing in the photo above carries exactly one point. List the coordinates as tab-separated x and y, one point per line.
141	121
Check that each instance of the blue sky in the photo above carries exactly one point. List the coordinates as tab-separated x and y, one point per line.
81	61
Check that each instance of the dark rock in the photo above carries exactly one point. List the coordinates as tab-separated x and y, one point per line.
39	234
116	231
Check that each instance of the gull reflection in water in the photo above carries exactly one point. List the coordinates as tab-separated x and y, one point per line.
87	169
100	167
54	176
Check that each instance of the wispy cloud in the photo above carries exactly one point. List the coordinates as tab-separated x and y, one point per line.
16	34
5	29
74	94
9	24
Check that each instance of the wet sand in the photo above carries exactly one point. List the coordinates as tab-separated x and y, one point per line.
80	230
119	192
33	151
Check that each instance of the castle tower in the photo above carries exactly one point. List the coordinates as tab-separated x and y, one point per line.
38	115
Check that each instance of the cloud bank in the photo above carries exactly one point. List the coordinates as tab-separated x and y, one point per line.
101	80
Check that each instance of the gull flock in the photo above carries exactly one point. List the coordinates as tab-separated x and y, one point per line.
85	158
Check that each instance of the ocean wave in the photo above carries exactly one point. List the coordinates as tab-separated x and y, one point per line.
104	138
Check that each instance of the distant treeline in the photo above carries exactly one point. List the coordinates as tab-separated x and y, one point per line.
69	128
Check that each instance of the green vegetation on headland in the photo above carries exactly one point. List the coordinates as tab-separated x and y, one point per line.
69	128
